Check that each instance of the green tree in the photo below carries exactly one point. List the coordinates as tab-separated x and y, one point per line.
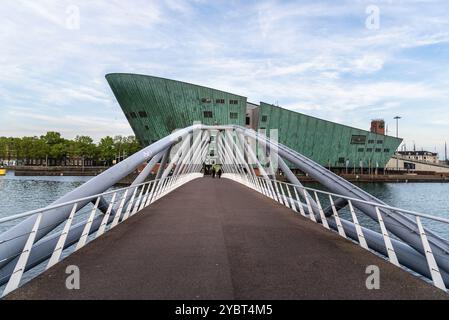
131	145
52	145
52	138
106	150
85	148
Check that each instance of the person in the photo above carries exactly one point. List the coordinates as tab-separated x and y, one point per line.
213	171
219	172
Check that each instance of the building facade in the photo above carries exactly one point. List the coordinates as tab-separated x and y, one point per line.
424	156
156	106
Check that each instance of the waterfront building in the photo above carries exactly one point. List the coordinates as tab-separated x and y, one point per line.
156	106
424	156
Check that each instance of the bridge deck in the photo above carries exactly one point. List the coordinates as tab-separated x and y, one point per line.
216	239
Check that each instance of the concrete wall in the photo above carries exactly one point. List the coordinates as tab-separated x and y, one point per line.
419	166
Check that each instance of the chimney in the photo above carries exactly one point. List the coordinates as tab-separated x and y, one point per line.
378	126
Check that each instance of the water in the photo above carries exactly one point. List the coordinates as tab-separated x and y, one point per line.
20	194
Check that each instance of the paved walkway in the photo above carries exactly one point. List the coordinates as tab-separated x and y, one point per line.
216	239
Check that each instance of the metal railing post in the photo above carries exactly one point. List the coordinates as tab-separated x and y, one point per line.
320	209
341	230
390	250
16	276
433	267
105	220
119	211
61	241
298	199
86	231
309	206
360	235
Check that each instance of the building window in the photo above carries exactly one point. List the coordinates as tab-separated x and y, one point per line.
212	153
143	114
358	139
233	102
370	141
147	127
233	115
205	100
219	101
341	160
264	118
208	114
248	121
378	150
361	150
133	115
388	150
369	150
380	141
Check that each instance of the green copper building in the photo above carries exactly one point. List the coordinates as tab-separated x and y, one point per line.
156	106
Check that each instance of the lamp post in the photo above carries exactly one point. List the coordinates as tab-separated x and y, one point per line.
397	136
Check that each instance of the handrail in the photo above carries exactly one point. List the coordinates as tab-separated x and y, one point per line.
91	224
59	205
366	238
414	213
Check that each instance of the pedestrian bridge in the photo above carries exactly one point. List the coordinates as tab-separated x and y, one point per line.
244	236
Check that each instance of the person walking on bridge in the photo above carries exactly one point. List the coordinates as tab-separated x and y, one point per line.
215	169
219	172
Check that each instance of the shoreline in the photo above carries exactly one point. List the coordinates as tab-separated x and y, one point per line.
31	171
387	178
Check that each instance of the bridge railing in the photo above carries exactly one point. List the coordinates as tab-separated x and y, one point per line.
369	234
106	211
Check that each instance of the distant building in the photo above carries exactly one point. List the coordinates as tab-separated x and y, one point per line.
424	156
378	126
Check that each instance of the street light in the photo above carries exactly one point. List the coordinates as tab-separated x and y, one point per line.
397	136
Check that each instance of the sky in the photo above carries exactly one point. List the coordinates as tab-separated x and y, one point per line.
344	61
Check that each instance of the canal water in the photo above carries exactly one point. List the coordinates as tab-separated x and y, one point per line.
20	194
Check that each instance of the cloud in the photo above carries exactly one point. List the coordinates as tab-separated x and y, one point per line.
315	57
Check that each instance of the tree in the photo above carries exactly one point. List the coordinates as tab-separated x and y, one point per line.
85	148
52	145
52	138
132	145
106	149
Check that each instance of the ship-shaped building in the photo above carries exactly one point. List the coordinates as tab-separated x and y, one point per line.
156	106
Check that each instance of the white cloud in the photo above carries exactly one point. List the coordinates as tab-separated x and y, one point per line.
314	57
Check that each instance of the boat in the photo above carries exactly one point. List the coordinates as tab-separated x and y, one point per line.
2	171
